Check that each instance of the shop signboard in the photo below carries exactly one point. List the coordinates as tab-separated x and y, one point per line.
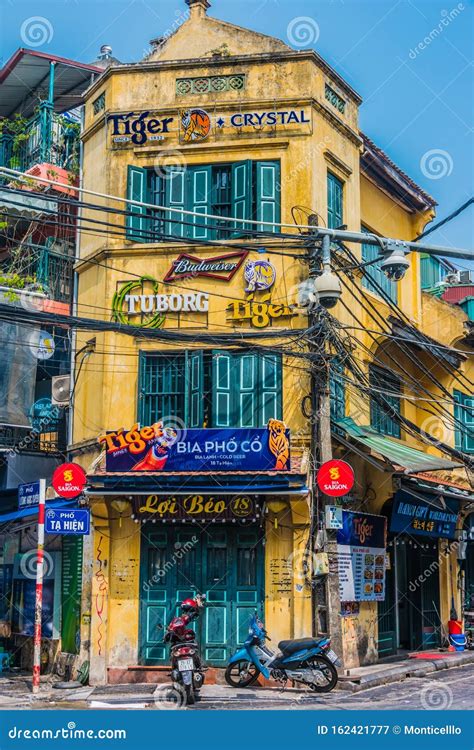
69	480
222	267
139	302
75	521
158	448
361	557
28	495
335	478
196	507
413	516
257	308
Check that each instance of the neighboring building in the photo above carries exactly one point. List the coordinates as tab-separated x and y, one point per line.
39	135
223	121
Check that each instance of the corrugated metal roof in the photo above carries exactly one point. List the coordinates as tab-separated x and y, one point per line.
399	454
24	82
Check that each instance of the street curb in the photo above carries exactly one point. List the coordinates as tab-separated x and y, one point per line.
402	672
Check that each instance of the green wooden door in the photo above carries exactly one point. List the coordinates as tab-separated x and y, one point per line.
225	563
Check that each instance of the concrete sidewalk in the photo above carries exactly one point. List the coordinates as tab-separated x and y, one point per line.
374	675
15	689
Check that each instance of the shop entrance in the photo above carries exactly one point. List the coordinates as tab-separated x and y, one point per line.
409	617
225	563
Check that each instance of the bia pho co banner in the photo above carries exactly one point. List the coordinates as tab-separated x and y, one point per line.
160	448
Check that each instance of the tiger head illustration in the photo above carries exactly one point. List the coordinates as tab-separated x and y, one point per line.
259	274
278	443
196	125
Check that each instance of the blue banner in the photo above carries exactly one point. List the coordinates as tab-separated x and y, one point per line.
412	516
159	448
67	521
55	729
362	530
28	495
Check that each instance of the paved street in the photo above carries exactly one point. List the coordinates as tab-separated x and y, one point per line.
453	688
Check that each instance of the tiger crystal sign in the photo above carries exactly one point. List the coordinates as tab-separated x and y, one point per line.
158	448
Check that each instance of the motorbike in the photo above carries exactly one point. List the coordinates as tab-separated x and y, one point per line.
187	670
309	661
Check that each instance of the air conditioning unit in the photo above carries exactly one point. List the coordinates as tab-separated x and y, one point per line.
61	390
466	277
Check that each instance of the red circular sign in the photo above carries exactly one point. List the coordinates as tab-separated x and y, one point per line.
69	480
335	478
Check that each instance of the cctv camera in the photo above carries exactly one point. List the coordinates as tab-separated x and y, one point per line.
328	289
395	263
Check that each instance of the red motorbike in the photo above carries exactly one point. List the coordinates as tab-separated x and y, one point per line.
187	670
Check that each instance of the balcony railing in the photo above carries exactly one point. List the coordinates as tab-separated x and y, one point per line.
47	137
29	440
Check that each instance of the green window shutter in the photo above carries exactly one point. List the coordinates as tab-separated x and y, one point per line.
337	391
200	201
373	274
246	389
270	389
458	441
241	181
335	201
175	196
161	387
268	194
194	378
469	422
222	388
137	224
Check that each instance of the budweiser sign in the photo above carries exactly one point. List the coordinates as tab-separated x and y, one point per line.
221	267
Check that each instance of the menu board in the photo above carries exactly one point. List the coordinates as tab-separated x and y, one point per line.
361	557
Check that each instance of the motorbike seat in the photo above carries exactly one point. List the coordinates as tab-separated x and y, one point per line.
290	647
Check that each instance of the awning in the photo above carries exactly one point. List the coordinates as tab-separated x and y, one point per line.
271	483
400	455
25	75
27	205
421	341
15	515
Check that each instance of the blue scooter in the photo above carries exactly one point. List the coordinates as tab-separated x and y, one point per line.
309	661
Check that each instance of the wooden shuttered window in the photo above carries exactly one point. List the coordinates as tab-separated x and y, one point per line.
253	194
464	415
335	201
247	389
385	402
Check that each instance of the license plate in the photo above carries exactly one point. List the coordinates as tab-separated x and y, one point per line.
185	665
332	656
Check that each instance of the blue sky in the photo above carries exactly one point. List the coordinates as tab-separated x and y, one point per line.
411	61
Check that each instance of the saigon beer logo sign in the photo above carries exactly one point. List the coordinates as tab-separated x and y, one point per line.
139	302
258	309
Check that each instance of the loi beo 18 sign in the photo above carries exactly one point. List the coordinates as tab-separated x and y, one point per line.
159	448
69	480
335	478
198	508
361	557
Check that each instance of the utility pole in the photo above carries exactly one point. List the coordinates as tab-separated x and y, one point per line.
321	451
39	588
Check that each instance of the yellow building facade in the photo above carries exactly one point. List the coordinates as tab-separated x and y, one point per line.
220	122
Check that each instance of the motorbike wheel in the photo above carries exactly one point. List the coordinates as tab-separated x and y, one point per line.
190	697
324	665
242	673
